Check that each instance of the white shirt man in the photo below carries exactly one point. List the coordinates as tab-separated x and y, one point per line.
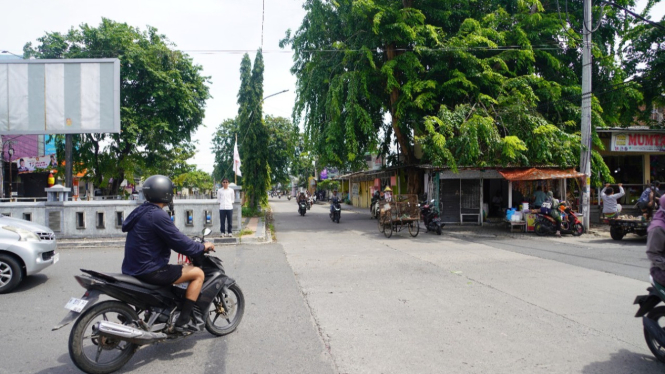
611	208
225	198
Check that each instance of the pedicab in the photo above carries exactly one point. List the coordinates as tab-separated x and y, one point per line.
399	212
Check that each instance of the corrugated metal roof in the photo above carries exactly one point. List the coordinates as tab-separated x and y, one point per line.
533	174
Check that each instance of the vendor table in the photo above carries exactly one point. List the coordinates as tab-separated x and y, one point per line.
521	225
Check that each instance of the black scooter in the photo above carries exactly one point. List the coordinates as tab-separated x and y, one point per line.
375	209
302	207
336	211
106	334
430	216
654	333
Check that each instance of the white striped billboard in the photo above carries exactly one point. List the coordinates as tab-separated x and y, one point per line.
59	96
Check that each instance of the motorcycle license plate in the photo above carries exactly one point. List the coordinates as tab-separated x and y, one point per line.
76	305
56	258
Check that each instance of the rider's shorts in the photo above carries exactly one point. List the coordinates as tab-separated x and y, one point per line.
162	277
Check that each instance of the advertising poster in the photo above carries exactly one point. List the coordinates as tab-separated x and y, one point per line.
32	164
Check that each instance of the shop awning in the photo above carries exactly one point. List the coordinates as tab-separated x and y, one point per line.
538	174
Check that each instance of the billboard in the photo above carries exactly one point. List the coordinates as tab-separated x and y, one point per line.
32	164
68	96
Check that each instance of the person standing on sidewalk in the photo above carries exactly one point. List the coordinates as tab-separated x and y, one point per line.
225	198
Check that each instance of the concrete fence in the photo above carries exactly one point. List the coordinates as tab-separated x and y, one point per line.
104	218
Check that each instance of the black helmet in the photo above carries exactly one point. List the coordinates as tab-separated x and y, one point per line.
158	189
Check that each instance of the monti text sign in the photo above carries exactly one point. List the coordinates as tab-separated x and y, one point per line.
68	96
638	142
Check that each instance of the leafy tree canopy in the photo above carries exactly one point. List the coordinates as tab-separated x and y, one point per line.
194	179
162	95
474	83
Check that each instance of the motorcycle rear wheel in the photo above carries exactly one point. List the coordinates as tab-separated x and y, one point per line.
113	311
438	230
235	300
539	229
658	351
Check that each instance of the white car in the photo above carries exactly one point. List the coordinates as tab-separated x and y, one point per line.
26	248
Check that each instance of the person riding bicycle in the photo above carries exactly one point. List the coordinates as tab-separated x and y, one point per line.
150	237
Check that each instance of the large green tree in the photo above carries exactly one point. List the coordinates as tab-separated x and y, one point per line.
283	139
223	142
162	100
475	83
253	136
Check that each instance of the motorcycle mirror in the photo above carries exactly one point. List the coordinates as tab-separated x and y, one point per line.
206	231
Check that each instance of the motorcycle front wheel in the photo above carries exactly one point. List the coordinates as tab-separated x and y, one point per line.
96	354
659	351
578	229
230	319
540	229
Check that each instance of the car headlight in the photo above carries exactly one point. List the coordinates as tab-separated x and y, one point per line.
24	235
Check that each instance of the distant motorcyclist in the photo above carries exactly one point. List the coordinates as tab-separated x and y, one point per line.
333	199
551	207
301	197
649	200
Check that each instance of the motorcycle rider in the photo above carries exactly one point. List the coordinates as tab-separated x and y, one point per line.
649	200
553	210
611	208
656	244
150	237
376	196
333	199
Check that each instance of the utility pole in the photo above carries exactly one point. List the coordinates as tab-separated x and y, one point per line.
69	163
585	156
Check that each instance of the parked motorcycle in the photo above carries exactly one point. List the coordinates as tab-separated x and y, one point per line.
651	315
570	224
336	211
106	334
302	207
430	217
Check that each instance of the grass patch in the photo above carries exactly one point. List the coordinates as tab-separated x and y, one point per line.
270	222
252	212
246	232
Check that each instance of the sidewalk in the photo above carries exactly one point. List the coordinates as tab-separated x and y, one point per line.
255	224
489	229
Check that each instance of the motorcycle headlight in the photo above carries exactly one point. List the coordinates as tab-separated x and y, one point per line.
24	235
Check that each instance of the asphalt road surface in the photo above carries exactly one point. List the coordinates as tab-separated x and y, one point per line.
467	304
342	298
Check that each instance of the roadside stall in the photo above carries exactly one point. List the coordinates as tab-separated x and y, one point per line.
522	183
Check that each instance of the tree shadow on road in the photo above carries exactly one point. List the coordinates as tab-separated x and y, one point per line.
626	362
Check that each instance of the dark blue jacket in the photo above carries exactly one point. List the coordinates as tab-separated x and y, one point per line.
151	236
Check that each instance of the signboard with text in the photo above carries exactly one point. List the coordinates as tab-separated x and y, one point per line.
636	142
31	164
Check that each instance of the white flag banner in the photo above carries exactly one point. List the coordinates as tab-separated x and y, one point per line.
236	160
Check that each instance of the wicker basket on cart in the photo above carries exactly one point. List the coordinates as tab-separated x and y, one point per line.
401	208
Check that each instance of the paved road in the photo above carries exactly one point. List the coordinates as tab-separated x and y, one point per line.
342	298
461	304
277	333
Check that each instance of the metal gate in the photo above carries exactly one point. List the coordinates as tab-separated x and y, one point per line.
449	194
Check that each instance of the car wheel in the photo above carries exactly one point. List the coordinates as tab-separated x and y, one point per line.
10	273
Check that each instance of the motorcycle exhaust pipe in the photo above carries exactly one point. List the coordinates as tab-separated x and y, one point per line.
127	333
654	330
